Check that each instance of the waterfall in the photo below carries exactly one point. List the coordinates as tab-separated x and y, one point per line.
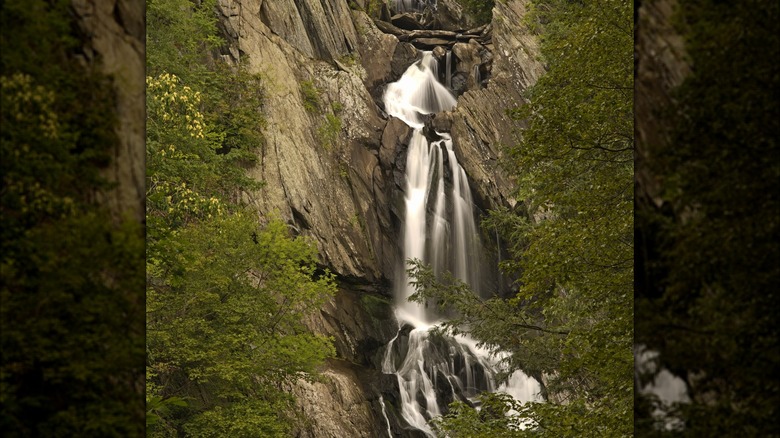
477	77
413	5
448	62
384	413
439	229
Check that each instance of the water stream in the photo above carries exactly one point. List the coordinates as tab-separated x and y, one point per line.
440	229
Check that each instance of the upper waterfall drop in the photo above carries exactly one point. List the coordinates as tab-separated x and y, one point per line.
418	93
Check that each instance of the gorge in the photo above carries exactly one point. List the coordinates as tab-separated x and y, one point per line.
420	93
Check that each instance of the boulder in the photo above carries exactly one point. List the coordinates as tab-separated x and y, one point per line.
406	21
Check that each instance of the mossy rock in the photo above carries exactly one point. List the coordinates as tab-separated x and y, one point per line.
377	307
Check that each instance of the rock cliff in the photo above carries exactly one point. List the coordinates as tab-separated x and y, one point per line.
661	67
114	43
333	163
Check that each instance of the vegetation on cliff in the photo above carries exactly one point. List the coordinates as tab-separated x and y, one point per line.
71	288
227	291
572	247
481	10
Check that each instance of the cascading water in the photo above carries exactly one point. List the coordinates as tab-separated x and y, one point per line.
413	5
477	77
439	229
448	63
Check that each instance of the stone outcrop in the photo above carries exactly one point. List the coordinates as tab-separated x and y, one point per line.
304	163
333	163
114	43
479	125
339	387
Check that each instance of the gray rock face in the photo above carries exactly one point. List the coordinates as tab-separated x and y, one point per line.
336	173
377	50
337	406
664	67
115	31
451	16
479	125
305	171
322	30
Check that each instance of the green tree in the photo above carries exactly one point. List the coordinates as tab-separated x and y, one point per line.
225	296
572	241
709	274
227	291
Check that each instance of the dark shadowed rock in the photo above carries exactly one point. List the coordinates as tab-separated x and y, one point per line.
114	34
377	50
405	54
430	43
406	21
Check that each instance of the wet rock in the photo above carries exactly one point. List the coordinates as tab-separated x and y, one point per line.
377	50
394	137
405	54
406	21
430	43
439	52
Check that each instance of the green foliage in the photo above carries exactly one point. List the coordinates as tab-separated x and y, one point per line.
188	176
225	302
571	242
311	96
180	39
226	297
179	36
710	252
481	10
244	420
329	131
70	274
495	419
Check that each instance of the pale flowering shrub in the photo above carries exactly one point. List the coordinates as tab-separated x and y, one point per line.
172	105
32	136
179	153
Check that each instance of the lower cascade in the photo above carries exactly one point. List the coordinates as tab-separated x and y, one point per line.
439	228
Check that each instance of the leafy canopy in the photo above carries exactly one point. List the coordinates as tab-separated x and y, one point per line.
711	249
570	322
227	291
71	332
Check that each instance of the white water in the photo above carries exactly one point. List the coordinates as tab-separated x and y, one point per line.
384	413
669	388
439	229
413	5
448	62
